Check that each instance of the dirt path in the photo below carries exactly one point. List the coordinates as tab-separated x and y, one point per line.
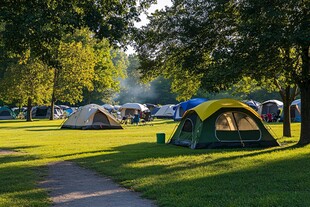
71	185
7	152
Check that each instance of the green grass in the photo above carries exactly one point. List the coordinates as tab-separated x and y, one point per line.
171	175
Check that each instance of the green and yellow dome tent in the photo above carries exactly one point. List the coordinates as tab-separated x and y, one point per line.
222	123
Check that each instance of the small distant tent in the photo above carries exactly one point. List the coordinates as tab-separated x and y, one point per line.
222	123
296	111
152	107
272	107
254	105
67	110
130	109
91	116
165	112
186	105
41	112
6	113
108	107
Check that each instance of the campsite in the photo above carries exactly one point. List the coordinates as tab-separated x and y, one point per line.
154	103
171	175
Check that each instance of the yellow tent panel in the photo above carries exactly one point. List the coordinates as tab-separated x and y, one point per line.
206	109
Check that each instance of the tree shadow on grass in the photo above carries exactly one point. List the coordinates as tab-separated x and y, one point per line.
43	130
18	183
17	149
30	127
84	152
15	154
226	180
11	158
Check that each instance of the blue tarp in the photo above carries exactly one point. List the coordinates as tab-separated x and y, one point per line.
186	105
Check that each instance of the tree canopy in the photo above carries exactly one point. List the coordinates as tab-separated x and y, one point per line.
40	25
223	41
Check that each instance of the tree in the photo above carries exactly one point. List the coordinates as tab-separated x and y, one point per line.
42	25
278	38
75	70
26	82
224	41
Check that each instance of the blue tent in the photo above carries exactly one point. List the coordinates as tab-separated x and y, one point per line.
254	105
296	111
186	105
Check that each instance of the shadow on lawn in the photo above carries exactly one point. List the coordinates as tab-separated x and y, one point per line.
275	182
17	149
11	158
44	130
18	182
30	127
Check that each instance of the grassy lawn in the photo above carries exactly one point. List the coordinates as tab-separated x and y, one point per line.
173	176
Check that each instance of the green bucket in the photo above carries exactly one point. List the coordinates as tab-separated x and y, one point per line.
160	138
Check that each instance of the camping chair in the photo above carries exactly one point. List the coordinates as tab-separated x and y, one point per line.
125	120
147	118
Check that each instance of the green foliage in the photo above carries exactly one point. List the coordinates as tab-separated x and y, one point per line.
76	71
185	85
110	67
225	41
28	78
41	25
89	70
44	26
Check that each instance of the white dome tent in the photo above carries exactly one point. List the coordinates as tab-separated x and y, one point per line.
166	111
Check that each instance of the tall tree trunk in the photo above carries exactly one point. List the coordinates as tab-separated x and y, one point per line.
287	113
305	98
52	106
53	94
29	108
286	98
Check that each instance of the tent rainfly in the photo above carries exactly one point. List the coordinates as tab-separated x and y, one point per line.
296	111
91	116
222	123
186	105
165	111
254	105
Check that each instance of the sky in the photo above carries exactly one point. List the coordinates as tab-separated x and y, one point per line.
160	4
144	21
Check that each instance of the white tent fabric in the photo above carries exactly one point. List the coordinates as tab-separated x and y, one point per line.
296	111
279	103
132	108
91	116
271	106
166	111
